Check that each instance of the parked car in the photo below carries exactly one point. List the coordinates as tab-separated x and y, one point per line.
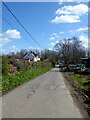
71	67
57	65
61	65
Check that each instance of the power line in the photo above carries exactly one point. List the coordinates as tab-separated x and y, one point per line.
21	24
11	26
6	21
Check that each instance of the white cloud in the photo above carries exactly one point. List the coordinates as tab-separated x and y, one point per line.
57	36
11	34
61	11
84	40
79	9
82	29
71	31
70	13
52	38
50	48
79	30
38	48
61	32
13	49
54	34
53	43
8	36
34	48
66	19
61	1
57	41
31	47
3	41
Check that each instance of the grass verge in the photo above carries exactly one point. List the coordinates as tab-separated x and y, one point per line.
11	81
81	80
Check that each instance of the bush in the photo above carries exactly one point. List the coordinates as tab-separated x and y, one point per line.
22	66
5	65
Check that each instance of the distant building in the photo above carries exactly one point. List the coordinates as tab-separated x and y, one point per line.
31	56
86	61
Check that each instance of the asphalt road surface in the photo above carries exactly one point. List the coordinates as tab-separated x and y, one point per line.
46	96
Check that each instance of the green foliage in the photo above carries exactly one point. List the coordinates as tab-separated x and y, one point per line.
76	76
11	81
81	80
20	65
17	71
5	65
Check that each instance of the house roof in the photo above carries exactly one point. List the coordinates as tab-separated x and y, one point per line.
29	56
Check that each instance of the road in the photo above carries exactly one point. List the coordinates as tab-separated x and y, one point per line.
46	96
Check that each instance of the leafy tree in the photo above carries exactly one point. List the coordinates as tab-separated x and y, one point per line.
49	55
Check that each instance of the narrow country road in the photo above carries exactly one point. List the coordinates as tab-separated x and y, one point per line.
46	96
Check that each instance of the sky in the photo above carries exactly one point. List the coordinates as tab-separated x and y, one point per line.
47	22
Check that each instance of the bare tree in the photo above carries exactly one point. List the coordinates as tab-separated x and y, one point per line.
70	50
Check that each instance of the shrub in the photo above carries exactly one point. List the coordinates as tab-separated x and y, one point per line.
5	65
22	66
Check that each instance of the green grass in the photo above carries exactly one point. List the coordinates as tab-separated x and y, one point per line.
81	80
11	81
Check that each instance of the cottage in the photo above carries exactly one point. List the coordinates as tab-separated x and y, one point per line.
31	56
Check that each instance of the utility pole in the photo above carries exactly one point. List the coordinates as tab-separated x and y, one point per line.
88	30
88	46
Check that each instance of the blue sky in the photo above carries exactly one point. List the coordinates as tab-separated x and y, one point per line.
47	22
